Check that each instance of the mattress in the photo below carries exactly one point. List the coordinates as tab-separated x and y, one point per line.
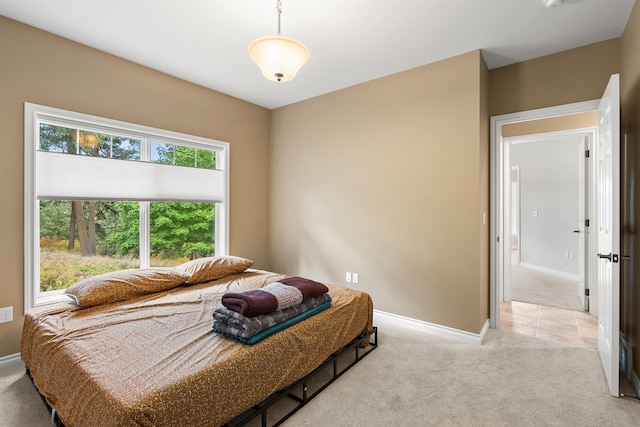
155	361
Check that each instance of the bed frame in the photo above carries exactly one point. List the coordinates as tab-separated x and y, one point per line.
278	407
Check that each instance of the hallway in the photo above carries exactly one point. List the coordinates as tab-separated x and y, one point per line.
570	327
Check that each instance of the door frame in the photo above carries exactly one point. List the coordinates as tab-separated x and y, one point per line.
497	185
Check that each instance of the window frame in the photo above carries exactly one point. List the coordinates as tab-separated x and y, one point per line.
35	114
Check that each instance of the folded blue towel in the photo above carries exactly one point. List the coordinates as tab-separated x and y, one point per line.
223	329
246	327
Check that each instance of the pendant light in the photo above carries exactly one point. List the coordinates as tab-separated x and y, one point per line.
279	57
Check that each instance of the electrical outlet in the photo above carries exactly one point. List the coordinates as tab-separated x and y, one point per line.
6	314
348	277
355	277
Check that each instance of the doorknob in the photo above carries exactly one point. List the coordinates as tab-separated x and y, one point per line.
605	256
576	231
610	257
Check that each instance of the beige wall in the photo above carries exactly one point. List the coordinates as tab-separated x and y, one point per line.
574	75
389	179
630	206
38	67
552	124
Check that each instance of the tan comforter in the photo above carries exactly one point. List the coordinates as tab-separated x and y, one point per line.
154	360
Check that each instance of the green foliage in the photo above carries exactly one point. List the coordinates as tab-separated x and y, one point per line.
107	221
183	156
126	235
57	139
182	229
178	229
54	219
205	159
122	148
65	140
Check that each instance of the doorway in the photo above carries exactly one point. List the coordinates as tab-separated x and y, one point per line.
605	253
548	211
546	207
500	177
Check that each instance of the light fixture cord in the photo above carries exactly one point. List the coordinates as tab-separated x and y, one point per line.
279	7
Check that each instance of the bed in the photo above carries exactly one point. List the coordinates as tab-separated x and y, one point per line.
153	360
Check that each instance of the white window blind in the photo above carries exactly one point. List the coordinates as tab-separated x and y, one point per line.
72	177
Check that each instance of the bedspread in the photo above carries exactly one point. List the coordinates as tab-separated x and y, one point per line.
155	361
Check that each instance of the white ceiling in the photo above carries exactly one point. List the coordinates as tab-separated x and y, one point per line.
351	41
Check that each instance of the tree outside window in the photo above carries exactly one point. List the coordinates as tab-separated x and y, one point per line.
81	238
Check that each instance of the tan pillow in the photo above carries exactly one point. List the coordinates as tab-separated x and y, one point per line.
123	285
211	268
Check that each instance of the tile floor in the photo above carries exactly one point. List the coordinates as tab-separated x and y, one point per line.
575	328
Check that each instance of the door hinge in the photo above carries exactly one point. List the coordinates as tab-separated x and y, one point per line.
586	292
587	153
586	222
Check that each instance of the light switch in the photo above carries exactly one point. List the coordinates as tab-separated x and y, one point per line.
535	213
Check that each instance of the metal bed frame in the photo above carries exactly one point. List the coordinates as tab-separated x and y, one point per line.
308	387
269	413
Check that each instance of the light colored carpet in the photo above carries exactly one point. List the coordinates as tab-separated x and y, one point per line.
20	404
417	379
537	287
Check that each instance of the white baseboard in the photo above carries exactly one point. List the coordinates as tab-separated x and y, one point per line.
443	331
551	271
10	361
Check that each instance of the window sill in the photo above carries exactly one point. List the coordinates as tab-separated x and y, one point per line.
51	297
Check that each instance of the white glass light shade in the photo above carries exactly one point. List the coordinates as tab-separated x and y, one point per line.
279	57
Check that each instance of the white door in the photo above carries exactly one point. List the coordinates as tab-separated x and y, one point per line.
582	230
608	222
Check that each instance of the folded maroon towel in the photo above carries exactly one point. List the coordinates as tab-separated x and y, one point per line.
273	297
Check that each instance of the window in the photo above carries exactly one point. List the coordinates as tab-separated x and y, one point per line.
103	195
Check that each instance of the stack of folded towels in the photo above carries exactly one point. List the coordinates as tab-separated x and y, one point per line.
253	315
